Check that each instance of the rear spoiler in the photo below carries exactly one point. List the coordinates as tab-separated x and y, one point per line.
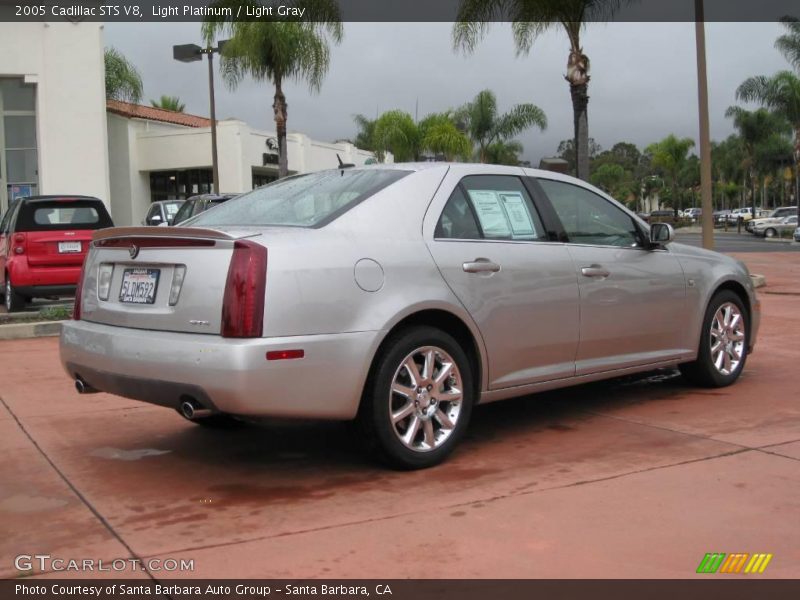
162	232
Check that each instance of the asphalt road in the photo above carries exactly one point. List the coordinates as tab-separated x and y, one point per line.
637	477
728	242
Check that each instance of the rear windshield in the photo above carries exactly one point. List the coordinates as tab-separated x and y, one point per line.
63	214
311	200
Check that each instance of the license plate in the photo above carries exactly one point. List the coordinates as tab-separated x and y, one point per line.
139	286
69	247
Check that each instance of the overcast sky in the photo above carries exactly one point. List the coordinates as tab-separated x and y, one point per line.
643	87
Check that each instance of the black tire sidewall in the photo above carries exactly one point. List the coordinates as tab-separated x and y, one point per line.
376	414
704	359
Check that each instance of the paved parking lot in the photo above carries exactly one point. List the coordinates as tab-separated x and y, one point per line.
637	477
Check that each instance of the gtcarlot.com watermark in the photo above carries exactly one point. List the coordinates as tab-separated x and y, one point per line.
45	562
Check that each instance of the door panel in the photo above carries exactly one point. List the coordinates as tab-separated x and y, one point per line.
632	298
521	290
633	316
527	312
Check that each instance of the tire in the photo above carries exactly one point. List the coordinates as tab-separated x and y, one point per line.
14	302
770	233
734	335
394	387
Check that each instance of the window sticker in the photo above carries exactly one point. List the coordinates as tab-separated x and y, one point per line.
491	214
518	215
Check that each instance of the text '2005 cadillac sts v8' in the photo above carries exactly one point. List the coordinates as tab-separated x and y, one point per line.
400	295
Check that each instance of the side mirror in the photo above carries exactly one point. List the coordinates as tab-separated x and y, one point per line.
661	234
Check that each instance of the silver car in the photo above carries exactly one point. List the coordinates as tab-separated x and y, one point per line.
400	295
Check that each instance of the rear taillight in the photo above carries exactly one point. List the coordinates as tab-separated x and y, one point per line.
76	309
243	302
19	243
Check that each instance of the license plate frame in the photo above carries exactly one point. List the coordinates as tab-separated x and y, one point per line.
70	247
129	294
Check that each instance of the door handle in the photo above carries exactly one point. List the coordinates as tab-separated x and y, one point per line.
481	265
595	271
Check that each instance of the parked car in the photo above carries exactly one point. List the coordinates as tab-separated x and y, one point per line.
744	213
198	204
797	235
776	216
43	243
162	212
662	216
772	229
720	217
693	213
401	295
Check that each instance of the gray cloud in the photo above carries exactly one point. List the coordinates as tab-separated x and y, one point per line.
644	82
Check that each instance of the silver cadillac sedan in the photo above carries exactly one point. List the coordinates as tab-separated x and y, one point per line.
401	296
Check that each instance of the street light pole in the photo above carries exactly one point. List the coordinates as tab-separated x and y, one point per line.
707	215
213	110
192	53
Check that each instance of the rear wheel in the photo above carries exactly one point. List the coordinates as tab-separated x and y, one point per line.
418	401
14	301
723	343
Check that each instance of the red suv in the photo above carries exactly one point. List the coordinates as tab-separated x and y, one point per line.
43	242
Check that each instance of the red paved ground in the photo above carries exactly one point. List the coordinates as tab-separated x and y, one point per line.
632	478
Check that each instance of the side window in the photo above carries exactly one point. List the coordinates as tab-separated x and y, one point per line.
184	213
457	220
494	207
590	219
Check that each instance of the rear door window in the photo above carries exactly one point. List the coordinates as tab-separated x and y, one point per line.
493	207
63	214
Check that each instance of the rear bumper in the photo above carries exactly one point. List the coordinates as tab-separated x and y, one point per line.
39	291
227	375
24	275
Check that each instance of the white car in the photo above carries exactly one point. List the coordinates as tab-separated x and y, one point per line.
776	216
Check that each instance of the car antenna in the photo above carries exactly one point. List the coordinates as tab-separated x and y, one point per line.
344	165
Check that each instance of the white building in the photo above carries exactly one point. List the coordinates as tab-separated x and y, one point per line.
59	135
157	154
52	110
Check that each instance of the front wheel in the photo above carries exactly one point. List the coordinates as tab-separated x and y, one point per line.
418	400
770	233
723	343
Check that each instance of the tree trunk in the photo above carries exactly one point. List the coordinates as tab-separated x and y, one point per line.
580	104
279	108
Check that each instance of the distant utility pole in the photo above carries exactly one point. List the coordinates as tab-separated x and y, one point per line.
707	217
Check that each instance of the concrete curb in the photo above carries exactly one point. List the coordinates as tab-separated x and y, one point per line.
18	331
758	280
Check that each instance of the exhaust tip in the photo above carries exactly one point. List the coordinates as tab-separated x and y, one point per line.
84	388
193	410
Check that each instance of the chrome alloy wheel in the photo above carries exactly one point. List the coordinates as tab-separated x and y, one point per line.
727	338
425	398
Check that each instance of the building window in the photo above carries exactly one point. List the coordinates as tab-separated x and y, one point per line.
260	179
179	185
19	160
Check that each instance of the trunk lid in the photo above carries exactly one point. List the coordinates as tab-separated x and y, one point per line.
131	276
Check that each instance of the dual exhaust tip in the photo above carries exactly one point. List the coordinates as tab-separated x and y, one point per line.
190	409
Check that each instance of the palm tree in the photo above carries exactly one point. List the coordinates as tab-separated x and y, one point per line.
504	152
781	94
486	126
671	156
365	138
172	103
277	50
755	129
395	131
123	81
789	43
441	136
531	18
